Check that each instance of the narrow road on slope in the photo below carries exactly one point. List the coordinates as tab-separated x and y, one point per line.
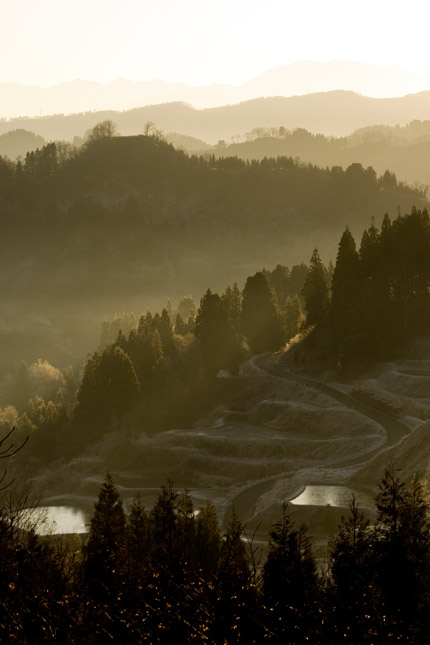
395	429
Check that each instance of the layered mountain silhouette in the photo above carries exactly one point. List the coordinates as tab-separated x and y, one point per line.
305	77
336	113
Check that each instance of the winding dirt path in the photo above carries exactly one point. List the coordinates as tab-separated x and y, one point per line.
246	500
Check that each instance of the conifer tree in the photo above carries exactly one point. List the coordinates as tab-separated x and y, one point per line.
186	531
375	310
279	280
219	341
232	300
402	555
121	386
166	335
90	394
180	325
105	567
234	597
138	536
293	316
315	292
346	298
104	551
121	341
209	540
289	580
187	307
260	321
352	572
163	527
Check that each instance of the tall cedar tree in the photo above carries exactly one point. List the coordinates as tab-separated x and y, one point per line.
346	298
261	321
219	341
293	316
289	582
316	292
352	574
105	561
402	554
376	308
234	597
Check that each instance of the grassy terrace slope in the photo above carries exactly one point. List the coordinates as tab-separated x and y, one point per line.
277	431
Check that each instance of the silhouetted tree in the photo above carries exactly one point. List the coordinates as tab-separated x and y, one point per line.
219	342
104	565
166	335
260	321
234	597
289	581
315	292
103	130
352	572
346	298
208	539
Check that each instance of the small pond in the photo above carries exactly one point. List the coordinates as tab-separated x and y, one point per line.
333	495
55	520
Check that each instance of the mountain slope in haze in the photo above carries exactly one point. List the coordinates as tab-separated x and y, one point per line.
303	77
131	217
16	143
384	148
335	113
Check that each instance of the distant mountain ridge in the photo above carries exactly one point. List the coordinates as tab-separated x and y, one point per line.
295	79
336	113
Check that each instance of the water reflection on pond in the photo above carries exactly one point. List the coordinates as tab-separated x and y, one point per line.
334	495
54	520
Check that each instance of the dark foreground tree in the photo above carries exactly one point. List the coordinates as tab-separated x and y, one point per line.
104	568
351	594
289	582
234	597
402	552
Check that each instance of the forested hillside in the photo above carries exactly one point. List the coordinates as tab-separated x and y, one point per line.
402	150
104	214
123	216
379	292
125	223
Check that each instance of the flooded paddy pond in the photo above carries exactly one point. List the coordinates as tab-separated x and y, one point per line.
337	496
55	520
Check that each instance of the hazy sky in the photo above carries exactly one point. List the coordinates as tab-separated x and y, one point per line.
44	42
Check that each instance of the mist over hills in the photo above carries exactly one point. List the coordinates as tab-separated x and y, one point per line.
299	78
403	150
129	221
336	113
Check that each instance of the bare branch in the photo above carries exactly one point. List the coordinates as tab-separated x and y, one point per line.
10	451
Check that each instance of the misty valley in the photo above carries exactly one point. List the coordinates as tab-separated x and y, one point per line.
214	387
